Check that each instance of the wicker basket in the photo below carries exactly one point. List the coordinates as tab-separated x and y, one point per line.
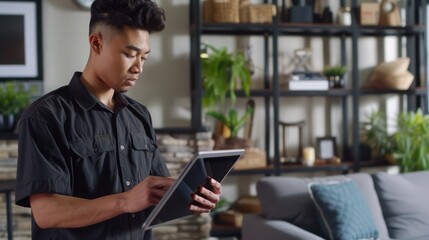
208	11
226	11
257	13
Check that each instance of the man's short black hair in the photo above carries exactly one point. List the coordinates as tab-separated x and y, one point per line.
137	14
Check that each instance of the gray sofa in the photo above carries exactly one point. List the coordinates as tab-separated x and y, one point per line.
399	205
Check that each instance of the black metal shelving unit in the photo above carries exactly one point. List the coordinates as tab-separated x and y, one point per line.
414	31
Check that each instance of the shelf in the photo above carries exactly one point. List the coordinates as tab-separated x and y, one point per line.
236	29
392	31
288	168
369	91
309	29
374	163
269	170
312	93
255	93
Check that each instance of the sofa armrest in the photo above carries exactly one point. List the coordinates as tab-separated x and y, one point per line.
256	227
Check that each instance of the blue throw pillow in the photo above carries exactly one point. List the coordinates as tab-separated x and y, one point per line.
344	212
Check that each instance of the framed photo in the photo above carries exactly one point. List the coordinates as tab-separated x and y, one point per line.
21	40
326	148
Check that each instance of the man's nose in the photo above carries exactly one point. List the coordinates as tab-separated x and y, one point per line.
137	67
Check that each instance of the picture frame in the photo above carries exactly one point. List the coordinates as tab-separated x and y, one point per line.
21	37
326	148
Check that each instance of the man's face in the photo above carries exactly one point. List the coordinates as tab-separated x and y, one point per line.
121	57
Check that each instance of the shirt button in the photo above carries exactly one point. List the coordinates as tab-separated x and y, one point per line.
133	215
122	147
127	183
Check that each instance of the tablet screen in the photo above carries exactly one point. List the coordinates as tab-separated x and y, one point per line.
176	202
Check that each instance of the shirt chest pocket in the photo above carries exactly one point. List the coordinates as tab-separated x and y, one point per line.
93	166
141	142
91	147
143	150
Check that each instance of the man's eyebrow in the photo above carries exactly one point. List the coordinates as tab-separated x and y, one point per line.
134	48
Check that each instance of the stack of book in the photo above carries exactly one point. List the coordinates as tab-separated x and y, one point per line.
307	81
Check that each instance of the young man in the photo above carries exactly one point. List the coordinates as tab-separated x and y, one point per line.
89	167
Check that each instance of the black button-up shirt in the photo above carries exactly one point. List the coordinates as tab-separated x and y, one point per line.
72	144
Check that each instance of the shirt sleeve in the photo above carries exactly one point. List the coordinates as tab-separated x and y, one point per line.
42	165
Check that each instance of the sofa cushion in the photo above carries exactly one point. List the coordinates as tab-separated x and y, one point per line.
404	200
343	210
287	198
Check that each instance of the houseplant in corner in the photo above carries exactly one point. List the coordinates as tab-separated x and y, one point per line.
13	99
222	72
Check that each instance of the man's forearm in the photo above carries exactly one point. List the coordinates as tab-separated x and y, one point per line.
59	211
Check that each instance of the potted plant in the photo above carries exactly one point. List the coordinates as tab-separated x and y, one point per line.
13	99
335	76
411	140
222	72
407	147
375	134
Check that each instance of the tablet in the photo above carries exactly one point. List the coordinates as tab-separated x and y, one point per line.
175	203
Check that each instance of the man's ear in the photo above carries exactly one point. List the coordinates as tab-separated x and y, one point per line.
95	42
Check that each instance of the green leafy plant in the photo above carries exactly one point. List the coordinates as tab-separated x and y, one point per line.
231	120
409	144
13	98
222	72
376	136
335	71
412	141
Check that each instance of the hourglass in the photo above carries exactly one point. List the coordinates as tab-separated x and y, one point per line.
302	59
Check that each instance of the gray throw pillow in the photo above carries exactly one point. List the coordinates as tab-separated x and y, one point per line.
404	200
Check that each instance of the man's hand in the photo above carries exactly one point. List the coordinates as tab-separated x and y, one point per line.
206	198
147	193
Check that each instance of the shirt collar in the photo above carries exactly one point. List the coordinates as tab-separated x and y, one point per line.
86	100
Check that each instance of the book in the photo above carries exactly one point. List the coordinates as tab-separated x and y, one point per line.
306	81
308	85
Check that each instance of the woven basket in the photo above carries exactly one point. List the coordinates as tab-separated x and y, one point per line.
256	13
208	10
226	11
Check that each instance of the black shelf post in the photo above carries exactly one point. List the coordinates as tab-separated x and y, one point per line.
195	66
425	97
267	99
276	94
355	88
